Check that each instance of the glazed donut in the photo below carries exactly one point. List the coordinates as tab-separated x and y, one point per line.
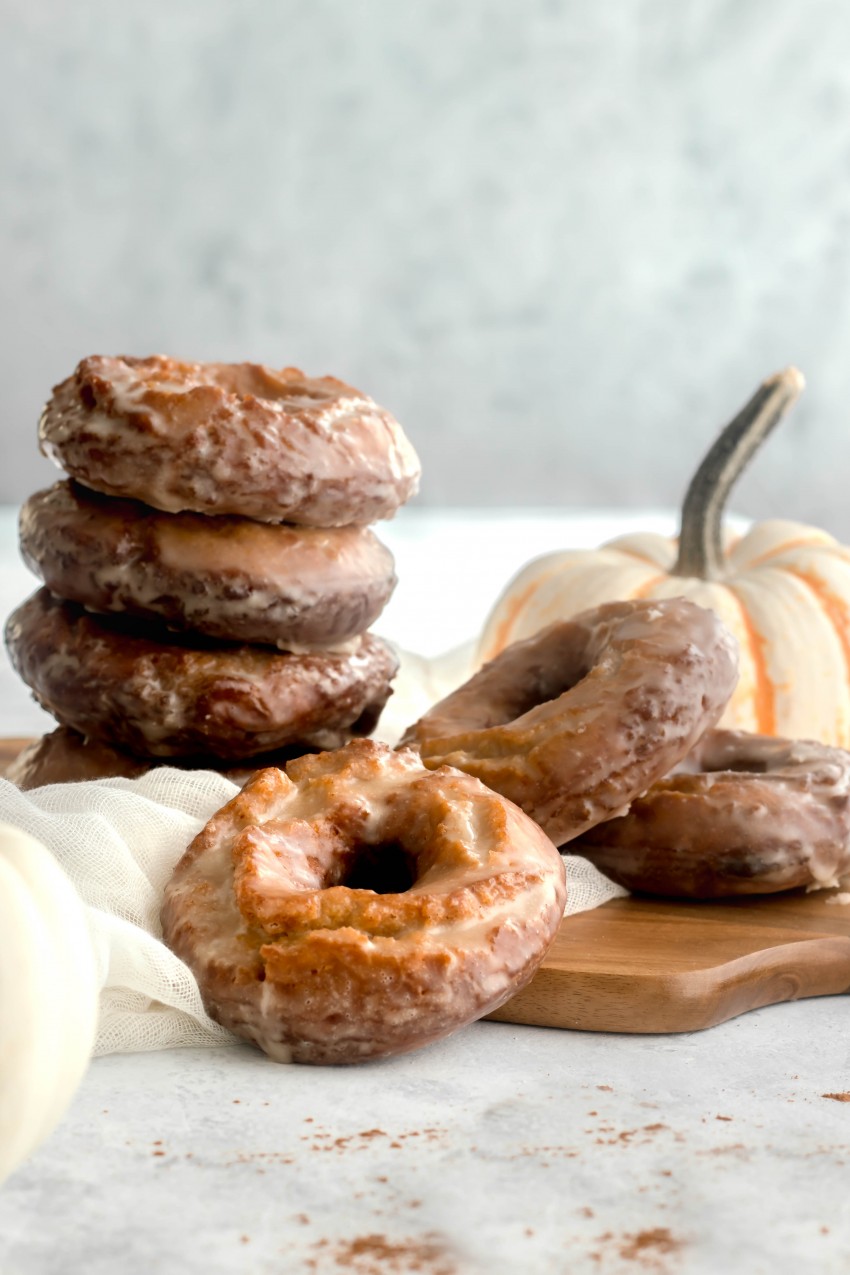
66	757
746	814
359	905
231	578
573	723
229	438
167	695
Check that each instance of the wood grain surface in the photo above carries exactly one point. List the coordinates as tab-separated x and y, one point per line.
9	749
652	965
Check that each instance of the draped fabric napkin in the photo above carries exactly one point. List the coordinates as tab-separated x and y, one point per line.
119	839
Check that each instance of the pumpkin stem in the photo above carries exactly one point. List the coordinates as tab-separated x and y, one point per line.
701	535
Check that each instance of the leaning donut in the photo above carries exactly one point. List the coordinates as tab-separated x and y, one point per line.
359	905
747	814
573	723
165	695
231	578
229	438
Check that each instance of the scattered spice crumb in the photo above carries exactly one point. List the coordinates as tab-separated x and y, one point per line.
655	1242
605	1088
157	1153
302	1218
236	1101
824	1230
733	1148
268	1157
377	1255
244	1239
529	1230
586	1211
837	1097
723	1118
368	1135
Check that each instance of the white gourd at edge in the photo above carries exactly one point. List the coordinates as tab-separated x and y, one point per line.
48	992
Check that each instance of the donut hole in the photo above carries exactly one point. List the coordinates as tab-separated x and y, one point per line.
545	687
384	868
740	765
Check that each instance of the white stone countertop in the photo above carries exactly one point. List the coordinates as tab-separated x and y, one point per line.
503	1149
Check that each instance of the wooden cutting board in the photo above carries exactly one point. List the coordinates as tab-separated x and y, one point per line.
649	965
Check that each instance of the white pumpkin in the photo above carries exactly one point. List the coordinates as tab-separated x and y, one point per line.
48	994
783	589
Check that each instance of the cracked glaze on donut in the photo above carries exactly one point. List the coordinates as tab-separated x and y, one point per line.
359	905
745	814
229	438
164	694
573	723
228	577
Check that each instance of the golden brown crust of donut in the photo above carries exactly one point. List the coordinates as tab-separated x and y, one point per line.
229	438
228	577
64	756
293	955
166	695
749	815
573	723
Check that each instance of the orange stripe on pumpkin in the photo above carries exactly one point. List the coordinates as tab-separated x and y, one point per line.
834	607
801	542
503	632
647	586
764	698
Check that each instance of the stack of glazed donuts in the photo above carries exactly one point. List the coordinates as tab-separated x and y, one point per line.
210	575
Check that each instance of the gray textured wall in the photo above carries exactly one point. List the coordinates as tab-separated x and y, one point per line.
560	240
